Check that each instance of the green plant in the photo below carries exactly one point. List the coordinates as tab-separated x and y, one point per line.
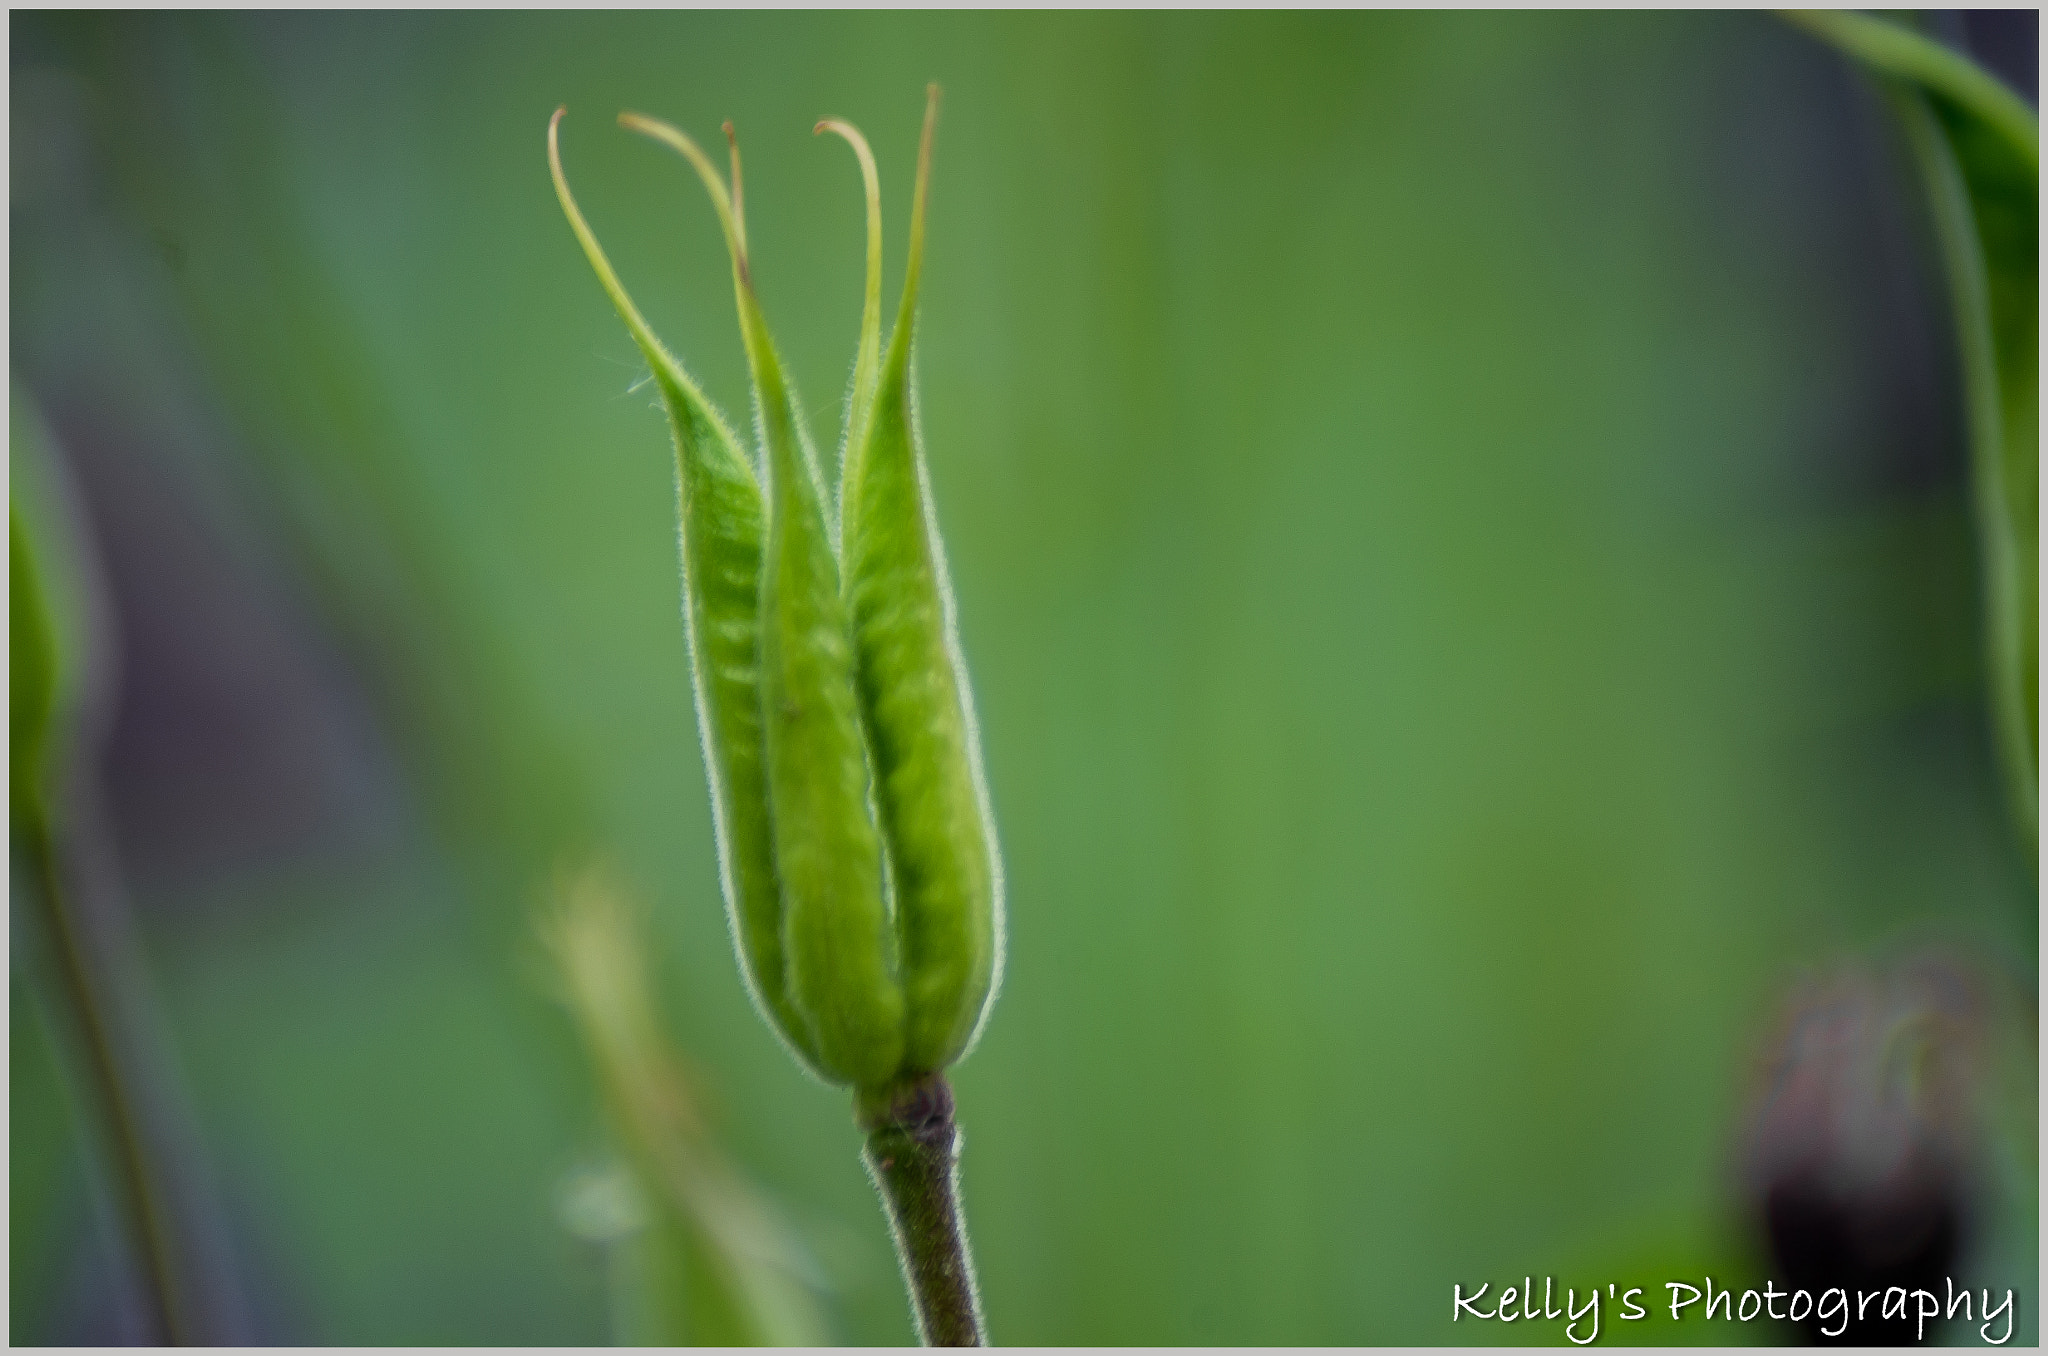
856	845
1978	149
74	909
699	1256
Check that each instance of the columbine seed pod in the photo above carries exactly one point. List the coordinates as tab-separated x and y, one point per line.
719	528
841	952
915	702
811	700
855	840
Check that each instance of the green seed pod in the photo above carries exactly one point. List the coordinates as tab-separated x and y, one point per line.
915	702
719	527
836	934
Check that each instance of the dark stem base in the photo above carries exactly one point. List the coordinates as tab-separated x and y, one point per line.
913	1149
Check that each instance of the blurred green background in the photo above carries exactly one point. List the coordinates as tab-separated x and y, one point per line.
1462	550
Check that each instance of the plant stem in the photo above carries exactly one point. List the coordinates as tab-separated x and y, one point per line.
191	1288
1999	551
912	1152
138	1189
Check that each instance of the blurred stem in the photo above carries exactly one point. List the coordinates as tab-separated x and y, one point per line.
1897	50
1962	257
81	954
912	1152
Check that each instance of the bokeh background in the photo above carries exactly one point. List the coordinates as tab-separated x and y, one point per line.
1462	548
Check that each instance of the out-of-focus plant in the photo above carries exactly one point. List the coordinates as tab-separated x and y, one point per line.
1864	1156
48	640
1978	148
1886	1110
700	1258
856	844
58	696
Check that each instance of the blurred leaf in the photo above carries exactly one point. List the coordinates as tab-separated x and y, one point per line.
1977	145
708	1262
48	610
40	1122
59	628
32	669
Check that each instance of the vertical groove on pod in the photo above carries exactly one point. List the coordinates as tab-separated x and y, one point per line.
719	519
917	706
835	923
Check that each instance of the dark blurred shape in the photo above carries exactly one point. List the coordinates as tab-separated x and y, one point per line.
2009	42
239	736
1862	1160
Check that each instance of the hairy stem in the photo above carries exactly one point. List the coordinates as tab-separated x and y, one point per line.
913	1149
